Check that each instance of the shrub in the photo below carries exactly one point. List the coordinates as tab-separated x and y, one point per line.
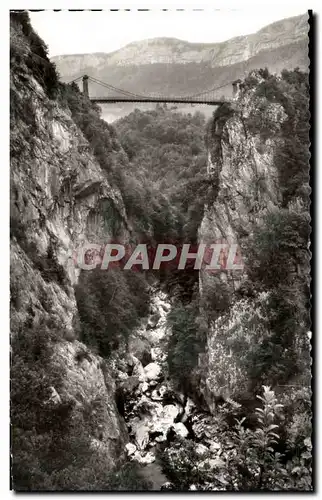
110	305
36	59
185	343
37	424
277	259
249	460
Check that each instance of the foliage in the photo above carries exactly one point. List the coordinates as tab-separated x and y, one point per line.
290	92
249	461
167	148
28	48
110	304
50	440
181	464
127	478
216	298
185	343
37	424
257	463
277	260
47	264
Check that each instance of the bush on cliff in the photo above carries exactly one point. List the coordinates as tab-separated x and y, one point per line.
27	47
110	304
185	343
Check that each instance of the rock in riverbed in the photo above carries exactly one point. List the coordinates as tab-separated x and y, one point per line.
153	371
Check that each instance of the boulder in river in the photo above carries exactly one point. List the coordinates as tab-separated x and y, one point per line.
190	407
141	349
138	370
161	439
142	436
214	447
162	419
153	371
201	449
212	463
130	448
153	321
180	429
143	387
155	396
168	486
146	458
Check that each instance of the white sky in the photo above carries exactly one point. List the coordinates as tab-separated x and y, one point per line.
68	32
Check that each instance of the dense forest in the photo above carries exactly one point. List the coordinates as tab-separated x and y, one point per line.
157	161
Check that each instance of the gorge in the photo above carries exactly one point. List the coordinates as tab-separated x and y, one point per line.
170	379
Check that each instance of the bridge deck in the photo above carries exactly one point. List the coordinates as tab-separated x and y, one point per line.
157	99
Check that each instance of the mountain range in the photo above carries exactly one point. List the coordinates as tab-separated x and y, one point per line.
169	66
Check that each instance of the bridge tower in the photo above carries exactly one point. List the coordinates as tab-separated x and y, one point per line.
236	86
85	86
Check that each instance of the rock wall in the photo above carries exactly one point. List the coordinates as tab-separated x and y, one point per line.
57	191
243	168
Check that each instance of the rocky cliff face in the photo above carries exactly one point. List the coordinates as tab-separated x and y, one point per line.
57	191
244	143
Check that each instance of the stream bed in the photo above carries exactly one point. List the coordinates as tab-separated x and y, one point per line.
155	413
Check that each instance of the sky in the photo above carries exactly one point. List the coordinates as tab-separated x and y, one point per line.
67	32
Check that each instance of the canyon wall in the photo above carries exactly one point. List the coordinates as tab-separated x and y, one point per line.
261	184
58	192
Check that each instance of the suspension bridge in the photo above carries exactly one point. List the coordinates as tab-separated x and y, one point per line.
114	94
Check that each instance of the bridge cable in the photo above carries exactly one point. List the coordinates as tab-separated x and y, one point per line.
134	95
131	94
208	91
75	80
111	87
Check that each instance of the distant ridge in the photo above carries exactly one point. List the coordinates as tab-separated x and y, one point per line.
177	67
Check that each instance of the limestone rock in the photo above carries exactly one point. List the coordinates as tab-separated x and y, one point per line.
57	185
142	436
213	463
152	371
144	387
141	349
155	396
214	447
153	321
138	370
147	458
130	448
180	429
54	397
201	449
